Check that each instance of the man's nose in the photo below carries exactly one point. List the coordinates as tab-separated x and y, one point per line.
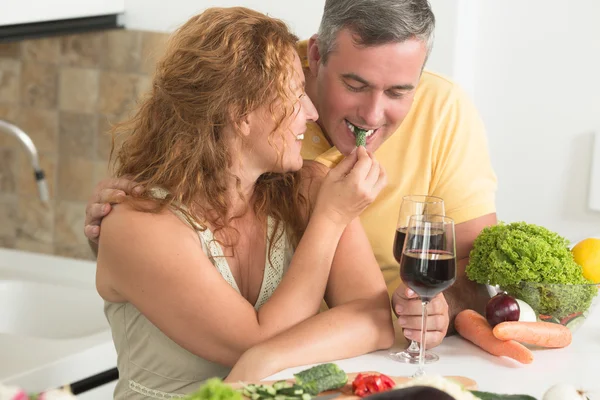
371	111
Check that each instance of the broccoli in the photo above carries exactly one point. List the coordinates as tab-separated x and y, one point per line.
515	256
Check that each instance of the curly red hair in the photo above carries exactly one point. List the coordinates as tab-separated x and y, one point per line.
219	66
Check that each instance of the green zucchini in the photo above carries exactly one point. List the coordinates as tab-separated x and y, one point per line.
495	396
321	378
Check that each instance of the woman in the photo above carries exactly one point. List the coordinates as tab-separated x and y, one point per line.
225	260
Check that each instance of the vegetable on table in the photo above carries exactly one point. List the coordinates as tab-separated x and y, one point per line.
321	378
215	389
543	334
517	254
280	390
564	391
474	327
371	383
495	396
502	308
526	313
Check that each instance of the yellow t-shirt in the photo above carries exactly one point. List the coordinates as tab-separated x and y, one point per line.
440	149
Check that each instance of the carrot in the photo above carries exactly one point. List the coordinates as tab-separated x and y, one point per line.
475	328
543	334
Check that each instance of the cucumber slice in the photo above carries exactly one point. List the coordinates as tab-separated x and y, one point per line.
282	385
265	390
295	390
250	388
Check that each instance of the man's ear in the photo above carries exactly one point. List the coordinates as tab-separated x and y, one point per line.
314	55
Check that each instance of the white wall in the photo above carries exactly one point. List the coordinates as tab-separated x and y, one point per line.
303	18
157	15
532	68
535	76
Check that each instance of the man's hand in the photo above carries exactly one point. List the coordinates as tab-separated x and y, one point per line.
107	192
407	307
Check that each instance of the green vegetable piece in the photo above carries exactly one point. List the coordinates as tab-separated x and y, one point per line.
306	396
294	390
361	137
215	389
494	396
251	388
266	391
321	378
518	255
282	385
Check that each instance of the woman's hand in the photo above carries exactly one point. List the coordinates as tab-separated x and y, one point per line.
350	187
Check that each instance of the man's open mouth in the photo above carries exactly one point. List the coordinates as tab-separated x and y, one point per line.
355	128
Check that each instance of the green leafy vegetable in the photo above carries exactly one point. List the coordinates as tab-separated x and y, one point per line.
215	389
518	255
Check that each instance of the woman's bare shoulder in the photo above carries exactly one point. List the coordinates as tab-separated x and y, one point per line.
126	228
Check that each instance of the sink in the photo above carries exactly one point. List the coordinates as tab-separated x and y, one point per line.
52	325
49	311
49	297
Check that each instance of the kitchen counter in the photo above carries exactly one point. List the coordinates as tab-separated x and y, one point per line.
576	364
77	342
40	363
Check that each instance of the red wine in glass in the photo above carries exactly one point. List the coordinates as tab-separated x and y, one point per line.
428	272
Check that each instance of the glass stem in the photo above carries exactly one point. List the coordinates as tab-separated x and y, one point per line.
421	370
414	347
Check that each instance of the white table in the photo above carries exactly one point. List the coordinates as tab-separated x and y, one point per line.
577	364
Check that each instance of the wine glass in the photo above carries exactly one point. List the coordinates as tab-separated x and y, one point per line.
413	205
428	264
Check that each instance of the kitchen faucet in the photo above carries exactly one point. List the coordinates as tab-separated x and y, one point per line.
30	147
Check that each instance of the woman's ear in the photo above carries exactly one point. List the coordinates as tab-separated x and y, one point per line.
314	55
244	125
241	124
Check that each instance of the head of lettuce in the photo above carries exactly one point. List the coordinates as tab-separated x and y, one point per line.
525	260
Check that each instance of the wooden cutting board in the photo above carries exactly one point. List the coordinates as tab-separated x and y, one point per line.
346	391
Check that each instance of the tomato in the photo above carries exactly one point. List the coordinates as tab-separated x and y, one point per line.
366	384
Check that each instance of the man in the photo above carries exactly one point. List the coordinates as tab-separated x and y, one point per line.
364	69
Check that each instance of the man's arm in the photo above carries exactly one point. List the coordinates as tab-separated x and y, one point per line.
466	293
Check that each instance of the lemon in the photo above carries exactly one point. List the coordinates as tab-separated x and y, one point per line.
587	254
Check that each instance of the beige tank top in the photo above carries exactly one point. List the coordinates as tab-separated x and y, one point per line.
153	366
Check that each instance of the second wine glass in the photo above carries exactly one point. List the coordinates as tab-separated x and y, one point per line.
428	263
413	205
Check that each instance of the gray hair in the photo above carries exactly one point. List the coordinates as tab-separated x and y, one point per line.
376	22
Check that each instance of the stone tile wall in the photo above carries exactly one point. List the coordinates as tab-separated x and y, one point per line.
64	92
